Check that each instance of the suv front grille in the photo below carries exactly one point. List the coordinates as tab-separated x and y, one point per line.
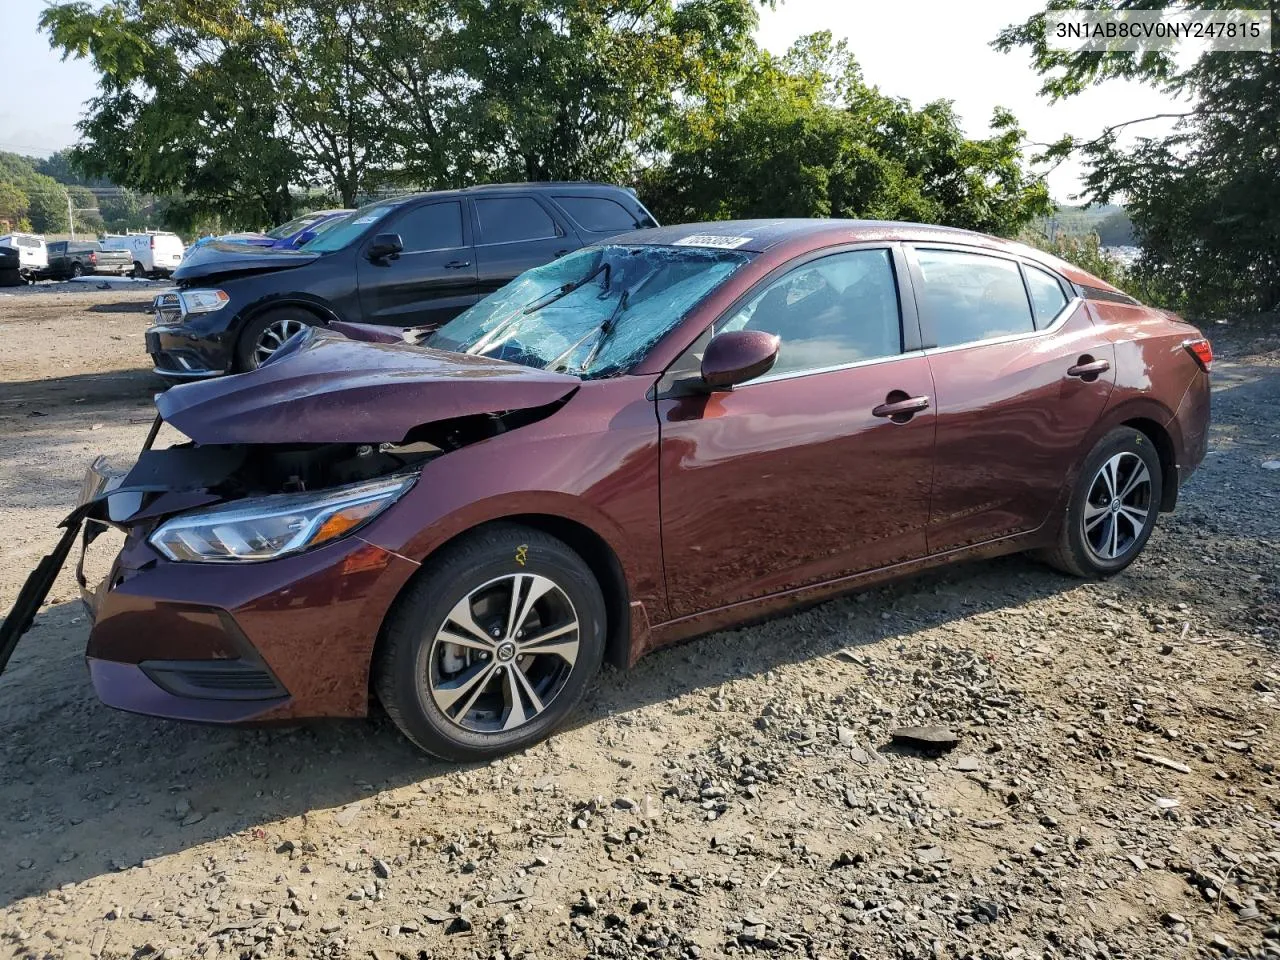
168	308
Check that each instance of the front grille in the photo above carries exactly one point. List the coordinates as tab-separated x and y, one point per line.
167	308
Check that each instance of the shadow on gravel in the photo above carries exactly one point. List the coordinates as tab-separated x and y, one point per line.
22	396
123	306
85	790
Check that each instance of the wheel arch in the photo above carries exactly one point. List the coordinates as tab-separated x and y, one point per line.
1163	442
253	311
589	544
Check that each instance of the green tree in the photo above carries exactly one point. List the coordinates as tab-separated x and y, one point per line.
48	211
184	105
13	207
1203	198
121	210
88	217
805	135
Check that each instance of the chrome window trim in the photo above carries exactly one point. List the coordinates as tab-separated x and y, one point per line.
795	374
1059	320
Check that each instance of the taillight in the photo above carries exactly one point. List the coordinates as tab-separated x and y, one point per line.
1202	351
93	257
153	242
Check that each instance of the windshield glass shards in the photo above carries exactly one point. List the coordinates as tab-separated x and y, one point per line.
592	313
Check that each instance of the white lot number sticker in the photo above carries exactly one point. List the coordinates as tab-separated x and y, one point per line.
711	240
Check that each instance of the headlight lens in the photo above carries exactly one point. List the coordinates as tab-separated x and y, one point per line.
263	528
203	301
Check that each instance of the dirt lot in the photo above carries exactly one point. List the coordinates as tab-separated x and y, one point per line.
1113	795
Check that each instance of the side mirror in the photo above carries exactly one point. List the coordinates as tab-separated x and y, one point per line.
385	246
738	356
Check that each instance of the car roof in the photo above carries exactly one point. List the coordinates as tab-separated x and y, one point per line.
758	236
541	185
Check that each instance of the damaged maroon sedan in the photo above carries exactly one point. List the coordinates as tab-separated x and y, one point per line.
673	432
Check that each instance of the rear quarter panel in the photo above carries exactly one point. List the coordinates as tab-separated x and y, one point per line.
1156	377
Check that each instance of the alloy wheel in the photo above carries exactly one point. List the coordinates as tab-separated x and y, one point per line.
504	653
1116	509
274	336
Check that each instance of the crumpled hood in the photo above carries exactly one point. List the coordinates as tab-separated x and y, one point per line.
219	257
330	389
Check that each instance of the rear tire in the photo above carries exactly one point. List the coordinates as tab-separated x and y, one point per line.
266	333
1112	509
534	639
138	273
76	271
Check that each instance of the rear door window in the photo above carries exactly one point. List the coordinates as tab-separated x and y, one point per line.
1047	298
599	214
971	297
512	219
436	226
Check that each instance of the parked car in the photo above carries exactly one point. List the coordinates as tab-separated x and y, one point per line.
33	255
287	236
417	260
10	273
672	432
155	253
76	258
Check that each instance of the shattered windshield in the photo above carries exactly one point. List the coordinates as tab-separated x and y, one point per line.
592	313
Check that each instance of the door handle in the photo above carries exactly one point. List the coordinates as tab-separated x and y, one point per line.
457	264
1087	368
899	407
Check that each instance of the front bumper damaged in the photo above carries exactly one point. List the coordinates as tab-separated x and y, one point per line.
106	498
214	643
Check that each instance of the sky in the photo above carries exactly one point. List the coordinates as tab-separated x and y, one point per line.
922	50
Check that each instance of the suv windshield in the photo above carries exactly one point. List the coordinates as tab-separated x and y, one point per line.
593	313
296	225
345	230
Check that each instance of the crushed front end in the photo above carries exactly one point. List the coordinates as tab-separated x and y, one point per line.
243	590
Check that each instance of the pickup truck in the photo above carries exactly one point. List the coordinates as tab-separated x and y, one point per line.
78	258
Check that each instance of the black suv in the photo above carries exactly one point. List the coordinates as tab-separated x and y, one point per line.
412	261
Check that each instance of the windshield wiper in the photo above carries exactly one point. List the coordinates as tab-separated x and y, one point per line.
533	306
601	333
549	298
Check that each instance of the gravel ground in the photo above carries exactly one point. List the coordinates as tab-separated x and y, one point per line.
1112	793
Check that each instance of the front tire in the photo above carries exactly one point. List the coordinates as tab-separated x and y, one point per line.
1112	509
267	333
492	645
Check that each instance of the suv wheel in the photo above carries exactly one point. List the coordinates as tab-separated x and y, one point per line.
492	646
1113	507
265	334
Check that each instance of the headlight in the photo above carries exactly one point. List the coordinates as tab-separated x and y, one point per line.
263	528
203	301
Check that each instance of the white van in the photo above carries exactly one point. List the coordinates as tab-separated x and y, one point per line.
155	253
33	255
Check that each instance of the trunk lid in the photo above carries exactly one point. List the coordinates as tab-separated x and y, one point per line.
325	388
